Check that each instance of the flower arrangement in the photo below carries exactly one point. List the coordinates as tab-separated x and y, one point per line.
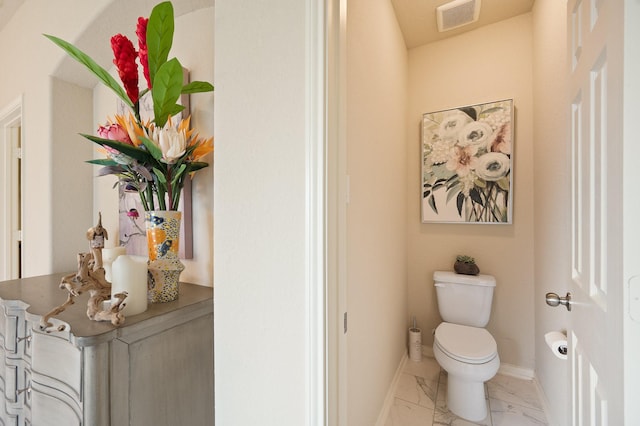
467	153
154	156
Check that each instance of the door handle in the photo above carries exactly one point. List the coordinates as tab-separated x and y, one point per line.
554	300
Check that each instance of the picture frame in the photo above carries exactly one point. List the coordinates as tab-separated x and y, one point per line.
467	164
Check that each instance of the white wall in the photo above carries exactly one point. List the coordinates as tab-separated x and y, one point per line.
261	301
484	65
551	197
376	213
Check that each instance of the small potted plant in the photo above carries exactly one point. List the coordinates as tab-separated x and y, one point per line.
466	265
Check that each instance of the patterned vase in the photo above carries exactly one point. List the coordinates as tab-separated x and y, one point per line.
163	241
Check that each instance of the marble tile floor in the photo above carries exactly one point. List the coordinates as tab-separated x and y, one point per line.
421	393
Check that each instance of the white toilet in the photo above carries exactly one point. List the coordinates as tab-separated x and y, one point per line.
462	347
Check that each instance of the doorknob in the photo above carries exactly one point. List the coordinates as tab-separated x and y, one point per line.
554	300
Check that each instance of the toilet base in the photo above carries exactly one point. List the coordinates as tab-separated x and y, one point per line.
466	399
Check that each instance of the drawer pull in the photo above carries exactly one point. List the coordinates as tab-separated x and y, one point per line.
21	391
27	338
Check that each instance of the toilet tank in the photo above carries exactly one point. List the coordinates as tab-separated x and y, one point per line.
464	299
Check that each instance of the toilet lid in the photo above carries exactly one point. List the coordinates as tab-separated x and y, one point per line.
466	344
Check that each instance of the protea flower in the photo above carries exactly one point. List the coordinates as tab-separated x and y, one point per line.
125	61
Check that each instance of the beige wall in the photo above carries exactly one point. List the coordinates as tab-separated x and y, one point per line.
552	195
376	221
487	64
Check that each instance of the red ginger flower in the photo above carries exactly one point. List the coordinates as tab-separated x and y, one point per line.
125	61
143	51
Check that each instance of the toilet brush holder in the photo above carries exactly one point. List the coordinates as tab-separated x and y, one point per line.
415	344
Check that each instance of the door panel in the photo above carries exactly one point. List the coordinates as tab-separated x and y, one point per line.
595	335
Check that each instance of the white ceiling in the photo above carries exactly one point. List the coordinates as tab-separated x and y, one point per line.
417	18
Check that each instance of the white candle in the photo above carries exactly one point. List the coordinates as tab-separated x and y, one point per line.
130	275
108	256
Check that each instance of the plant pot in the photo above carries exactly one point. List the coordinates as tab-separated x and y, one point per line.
466	268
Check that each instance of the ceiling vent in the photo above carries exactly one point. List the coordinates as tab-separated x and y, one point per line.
457	13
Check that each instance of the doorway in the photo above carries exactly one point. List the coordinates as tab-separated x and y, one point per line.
11	191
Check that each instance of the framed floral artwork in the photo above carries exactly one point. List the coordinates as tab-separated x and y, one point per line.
467	164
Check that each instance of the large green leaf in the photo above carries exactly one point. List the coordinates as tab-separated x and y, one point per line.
197	87
126	149
167	86
92	66
159	37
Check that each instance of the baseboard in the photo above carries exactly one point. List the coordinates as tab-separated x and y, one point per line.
515	371
389	399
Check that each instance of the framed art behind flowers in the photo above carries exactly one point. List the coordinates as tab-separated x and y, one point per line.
467	164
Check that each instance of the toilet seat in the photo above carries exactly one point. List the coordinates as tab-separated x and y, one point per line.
466	344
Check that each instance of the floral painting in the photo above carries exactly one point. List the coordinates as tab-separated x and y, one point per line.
467	164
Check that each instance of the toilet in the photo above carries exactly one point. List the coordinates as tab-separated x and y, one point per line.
462	347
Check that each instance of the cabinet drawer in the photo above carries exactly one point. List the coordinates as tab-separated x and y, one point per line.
56	363
49	407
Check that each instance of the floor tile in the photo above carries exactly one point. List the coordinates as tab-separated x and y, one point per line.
417	390
513	390
421	400
403	413
507	414
428	369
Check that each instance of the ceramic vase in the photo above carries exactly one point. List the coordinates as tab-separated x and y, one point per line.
163	241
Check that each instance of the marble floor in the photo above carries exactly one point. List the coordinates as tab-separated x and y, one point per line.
420	399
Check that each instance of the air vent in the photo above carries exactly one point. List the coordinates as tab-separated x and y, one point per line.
457	13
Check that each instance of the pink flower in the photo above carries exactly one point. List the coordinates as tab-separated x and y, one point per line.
502	141
464	160
143	51
114	132
125	61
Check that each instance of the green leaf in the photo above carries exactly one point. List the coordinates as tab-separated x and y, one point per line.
153	149
432	203
475	196
92	66
126	149
166	90
102	162
159	37
503	183
459	202
197	165
197	87
178	174
161	178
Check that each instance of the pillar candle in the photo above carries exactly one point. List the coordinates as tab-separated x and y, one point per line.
130	275
108	256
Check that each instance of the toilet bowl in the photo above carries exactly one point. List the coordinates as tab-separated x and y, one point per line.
469	355
462	347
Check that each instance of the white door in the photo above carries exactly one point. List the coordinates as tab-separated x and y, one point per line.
596	355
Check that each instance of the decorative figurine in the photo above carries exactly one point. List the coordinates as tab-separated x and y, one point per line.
91	277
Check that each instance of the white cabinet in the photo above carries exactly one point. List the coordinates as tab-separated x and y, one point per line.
156	369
